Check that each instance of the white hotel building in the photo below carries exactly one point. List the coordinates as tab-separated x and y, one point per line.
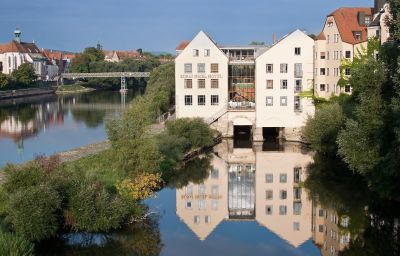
252	88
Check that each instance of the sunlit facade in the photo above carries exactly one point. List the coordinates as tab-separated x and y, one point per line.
255	86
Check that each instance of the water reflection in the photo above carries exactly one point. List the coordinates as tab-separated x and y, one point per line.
249	184
26	119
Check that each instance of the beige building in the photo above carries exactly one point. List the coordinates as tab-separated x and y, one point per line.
330	232
253	89
344	34
247	184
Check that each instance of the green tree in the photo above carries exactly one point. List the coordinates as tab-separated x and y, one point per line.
4	81
134	148
321	131
24	75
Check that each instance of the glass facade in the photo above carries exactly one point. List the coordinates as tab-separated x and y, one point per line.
241	83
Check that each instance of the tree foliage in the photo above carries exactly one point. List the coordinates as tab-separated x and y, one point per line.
24	75
322	130
4	81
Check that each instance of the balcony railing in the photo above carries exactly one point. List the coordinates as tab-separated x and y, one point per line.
298	73
242	105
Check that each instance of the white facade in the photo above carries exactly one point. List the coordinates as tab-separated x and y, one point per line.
227	86
283	72
11	61
189	83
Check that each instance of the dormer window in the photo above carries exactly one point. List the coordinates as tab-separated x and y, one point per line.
357	35
367	20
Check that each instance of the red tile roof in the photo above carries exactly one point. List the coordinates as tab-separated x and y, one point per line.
12	46
127	54
182	45
321	36
347	22
22	47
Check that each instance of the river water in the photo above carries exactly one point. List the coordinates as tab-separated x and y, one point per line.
50	124
250	200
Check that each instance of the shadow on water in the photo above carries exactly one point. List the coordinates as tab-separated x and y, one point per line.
138	239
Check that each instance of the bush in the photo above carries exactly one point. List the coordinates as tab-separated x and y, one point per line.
24	75
194	132
13	245
32	212
92	208
321	131
4	81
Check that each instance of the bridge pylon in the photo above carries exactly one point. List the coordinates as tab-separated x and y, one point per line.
123	84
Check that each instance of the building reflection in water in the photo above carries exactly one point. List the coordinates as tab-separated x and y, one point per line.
249	184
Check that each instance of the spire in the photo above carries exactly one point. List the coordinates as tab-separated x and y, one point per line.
17	34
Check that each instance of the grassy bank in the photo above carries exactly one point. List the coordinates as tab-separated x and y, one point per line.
73	88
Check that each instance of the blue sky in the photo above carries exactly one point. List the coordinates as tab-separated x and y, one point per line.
159	25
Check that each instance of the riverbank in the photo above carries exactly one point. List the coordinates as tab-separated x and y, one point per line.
74	88
20	93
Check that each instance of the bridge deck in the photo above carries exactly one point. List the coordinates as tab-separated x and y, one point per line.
105	75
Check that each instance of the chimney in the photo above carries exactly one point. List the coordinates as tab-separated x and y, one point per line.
274	41
17	34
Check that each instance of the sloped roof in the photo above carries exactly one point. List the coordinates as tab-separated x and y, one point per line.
182	45
321	36
127	54
12	46
346	19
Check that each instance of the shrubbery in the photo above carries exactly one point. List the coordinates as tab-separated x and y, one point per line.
13	245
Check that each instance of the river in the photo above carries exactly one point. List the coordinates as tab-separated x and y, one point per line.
50	124
239	199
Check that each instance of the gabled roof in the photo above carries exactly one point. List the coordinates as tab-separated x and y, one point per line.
346	19
12	46
127	54
321	36
22	47
182	45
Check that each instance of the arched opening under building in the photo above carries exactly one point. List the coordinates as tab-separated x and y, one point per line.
272	139
242	136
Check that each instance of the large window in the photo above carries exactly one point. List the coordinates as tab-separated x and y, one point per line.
188	83
201	83
284	68
214	68
348	54
214	83
269	101
201	100
269	178
284	84
214	100
270	68
241	83
201	68
188	100
188	68
270	84
283	103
